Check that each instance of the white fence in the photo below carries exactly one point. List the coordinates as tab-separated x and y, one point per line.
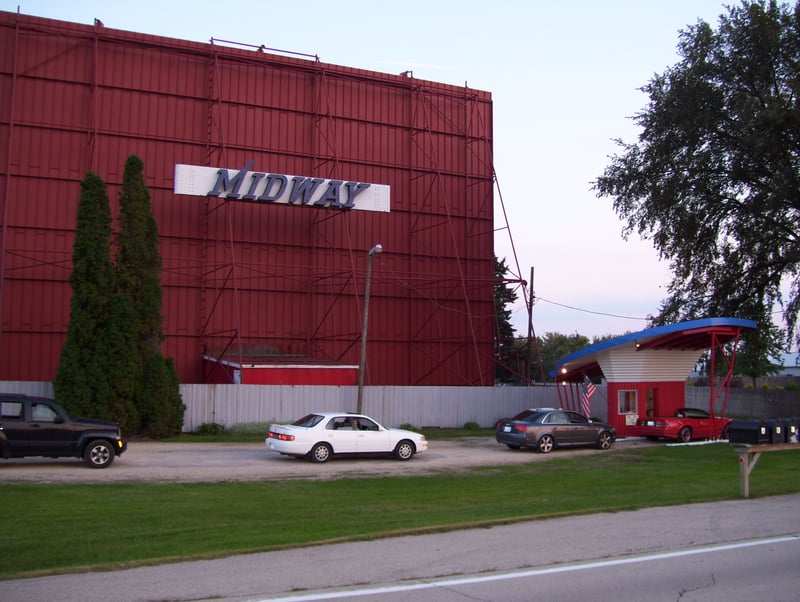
749	403
419	406
445	407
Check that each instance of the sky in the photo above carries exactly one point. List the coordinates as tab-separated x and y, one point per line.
565	80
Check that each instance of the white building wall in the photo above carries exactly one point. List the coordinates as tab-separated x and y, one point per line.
630	365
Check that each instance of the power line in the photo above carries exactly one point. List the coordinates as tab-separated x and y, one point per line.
589	311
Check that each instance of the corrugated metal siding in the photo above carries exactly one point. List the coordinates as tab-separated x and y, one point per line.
445	407
251	274
630	365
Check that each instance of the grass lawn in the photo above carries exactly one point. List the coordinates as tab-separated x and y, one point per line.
58	528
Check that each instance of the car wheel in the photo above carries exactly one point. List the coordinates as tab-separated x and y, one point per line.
546	444
404	450
98	454
320	453
685	434
604	441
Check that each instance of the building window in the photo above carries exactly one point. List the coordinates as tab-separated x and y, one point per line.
627	402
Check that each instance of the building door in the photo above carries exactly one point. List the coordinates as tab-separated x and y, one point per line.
651	407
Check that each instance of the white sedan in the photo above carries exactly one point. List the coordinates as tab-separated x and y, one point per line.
321	435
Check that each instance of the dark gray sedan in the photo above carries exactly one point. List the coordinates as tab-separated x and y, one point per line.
547	428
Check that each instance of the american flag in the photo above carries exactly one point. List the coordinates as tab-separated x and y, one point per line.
587	394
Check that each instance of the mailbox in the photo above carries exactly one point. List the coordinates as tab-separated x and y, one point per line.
775	430
753	432
791	428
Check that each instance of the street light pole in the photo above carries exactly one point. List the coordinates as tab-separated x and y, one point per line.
362	362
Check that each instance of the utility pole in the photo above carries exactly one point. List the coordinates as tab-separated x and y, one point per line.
529	371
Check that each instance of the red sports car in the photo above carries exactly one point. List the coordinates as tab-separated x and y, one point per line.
687	424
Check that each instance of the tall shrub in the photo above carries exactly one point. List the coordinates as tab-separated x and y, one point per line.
96	368
138	279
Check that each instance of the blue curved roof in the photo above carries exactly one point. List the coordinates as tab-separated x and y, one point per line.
692	334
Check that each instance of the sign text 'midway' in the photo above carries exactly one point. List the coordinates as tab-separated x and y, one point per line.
260	187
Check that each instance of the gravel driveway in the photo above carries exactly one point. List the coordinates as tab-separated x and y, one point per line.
219	462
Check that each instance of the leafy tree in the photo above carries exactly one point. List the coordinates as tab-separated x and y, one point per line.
139	271
755	359
714	179
504	337
555	345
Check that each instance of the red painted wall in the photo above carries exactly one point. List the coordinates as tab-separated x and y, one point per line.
77	98
666	398
300	375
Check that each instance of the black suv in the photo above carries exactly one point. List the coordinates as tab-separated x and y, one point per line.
37	426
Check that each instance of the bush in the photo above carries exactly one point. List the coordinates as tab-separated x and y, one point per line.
471	426
210	428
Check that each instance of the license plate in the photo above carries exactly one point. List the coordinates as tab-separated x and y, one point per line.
506	429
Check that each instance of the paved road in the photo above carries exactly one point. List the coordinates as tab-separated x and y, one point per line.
363	568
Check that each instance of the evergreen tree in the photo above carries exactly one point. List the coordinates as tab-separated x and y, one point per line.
163	406
81	383
139	270
99	364
118	357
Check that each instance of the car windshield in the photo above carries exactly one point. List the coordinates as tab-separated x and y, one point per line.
692	413
308	421
527	416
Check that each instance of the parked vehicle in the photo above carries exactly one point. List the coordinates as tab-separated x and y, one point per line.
547	428
37	426
687	424
322	435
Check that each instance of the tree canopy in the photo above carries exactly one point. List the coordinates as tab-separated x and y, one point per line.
714	178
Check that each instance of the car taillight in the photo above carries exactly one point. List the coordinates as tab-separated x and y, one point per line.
521	427
281	436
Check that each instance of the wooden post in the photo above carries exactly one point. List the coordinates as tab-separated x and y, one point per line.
748	458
